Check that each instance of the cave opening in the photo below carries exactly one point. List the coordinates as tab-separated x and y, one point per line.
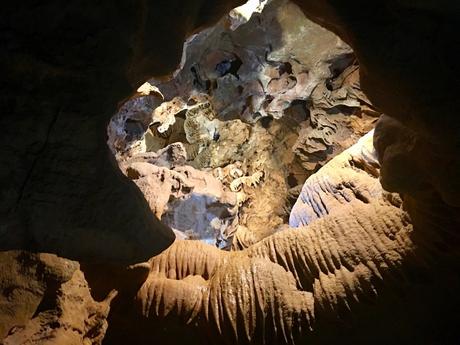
222	147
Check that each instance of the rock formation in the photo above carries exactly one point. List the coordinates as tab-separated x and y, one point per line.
392	53
284	287
188	200
364	265
254	104
46	299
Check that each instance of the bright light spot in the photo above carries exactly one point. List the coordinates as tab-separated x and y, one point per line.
242	14
147	88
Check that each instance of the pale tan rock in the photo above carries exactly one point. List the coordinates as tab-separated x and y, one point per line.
75	318
352	175
45	299
244	296
25	278
165	114
147	88
186	199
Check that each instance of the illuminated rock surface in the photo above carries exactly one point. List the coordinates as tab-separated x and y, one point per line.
261	106
46	299
370	266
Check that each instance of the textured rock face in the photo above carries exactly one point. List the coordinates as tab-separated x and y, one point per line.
393	47
297	283
25	279
340	114
46	300
340	181
257	106
75	319
65	68
190	201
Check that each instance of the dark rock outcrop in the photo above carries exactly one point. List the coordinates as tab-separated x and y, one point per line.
64	69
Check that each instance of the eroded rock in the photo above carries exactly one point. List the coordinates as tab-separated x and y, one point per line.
74	318
46	299
254	97
339	182
273	291
190	201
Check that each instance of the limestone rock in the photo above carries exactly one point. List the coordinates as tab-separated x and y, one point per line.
45	299
27	279
165	114
168	157
261	67
261	99
64	74
339	115
244	296
74	318
188	200
339	182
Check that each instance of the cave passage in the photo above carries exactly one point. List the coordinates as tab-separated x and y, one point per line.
222	148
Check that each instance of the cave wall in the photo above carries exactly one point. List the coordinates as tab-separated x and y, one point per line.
407	70
261	106
64	69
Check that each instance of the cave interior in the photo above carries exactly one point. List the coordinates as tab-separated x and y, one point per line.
241	172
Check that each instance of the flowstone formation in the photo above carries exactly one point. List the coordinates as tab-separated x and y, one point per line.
285	287
259	103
